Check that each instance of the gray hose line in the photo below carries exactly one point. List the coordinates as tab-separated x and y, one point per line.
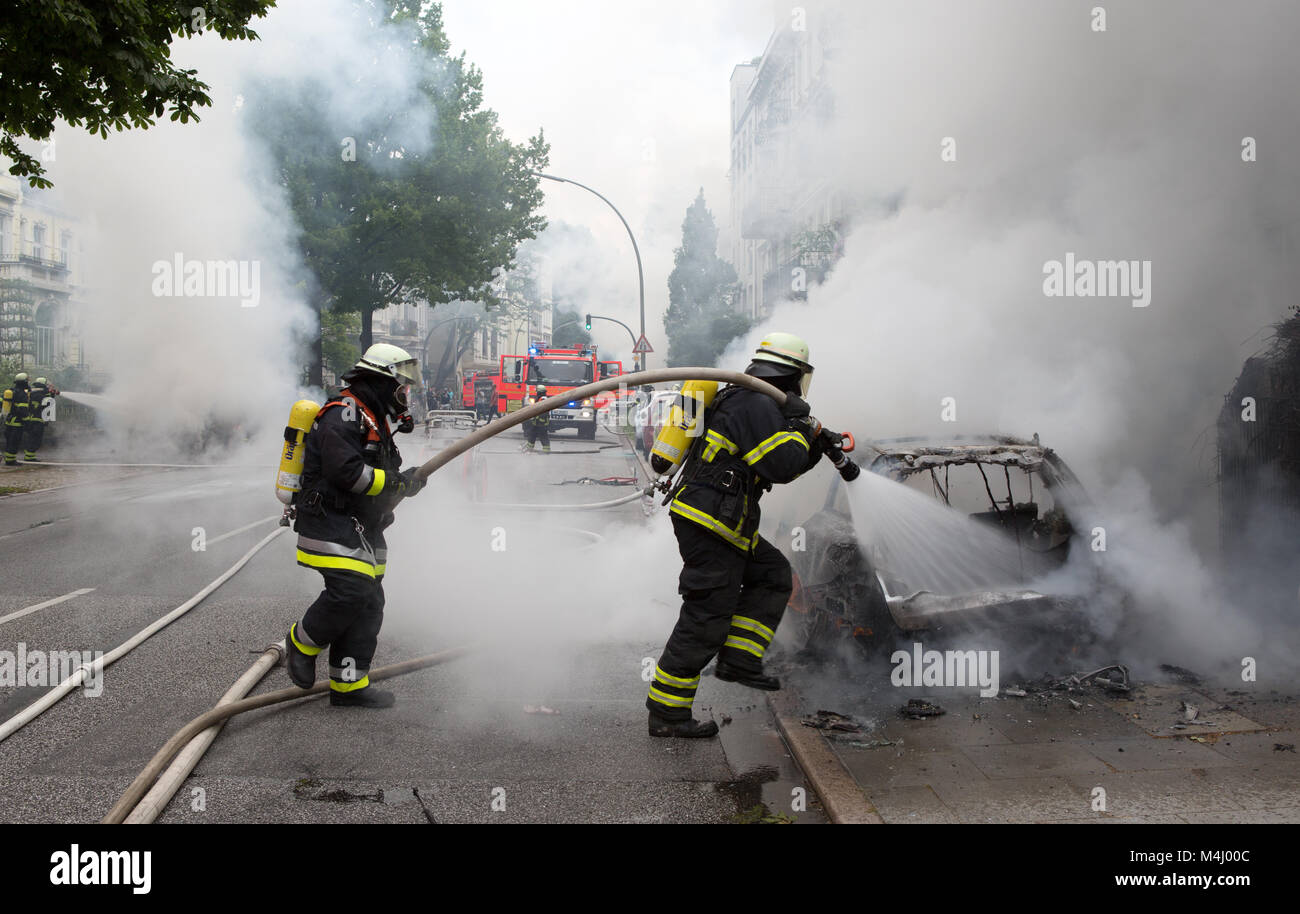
636	379
583	507
216	715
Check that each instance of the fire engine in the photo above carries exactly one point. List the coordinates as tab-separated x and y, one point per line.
560	370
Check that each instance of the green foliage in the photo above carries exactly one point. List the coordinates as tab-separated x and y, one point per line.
339	347
102	64
17	322
388	217
701	318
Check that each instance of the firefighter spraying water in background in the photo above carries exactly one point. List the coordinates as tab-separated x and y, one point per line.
734	584
351	482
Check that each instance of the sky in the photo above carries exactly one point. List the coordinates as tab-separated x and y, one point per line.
634	100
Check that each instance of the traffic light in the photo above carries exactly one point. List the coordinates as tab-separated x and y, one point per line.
588	322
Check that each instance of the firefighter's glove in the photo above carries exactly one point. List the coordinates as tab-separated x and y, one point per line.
411	483
795	407
809	427
406	423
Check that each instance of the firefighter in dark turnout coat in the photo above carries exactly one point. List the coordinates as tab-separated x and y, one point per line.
734	584
17	407
351	483
536	428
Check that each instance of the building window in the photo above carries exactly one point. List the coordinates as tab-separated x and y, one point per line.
4	237
38	242
65	248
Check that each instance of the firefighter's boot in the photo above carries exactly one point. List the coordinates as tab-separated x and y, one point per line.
728	673
369	697
546	448
300	659
682	729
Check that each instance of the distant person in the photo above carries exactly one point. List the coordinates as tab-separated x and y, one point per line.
35	422
536	428
17	406
430	399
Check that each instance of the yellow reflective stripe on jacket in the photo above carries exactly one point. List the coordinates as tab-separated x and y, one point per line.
361	683
377	484
730	534
745	644
767	445
753	625
668	679
673	701
336	563
717	442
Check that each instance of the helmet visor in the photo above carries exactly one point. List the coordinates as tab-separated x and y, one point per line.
407	371
805	381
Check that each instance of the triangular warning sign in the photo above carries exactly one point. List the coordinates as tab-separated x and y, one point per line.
642	345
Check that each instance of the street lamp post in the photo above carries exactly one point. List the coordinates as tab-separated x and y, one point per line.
640	274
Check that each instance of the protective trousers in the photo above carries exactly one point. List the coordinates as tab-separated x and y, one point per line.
732	603
347	617
13	440
533	432
35	435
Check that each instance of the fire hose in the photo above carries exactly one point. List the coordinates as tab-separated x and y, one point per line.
192	740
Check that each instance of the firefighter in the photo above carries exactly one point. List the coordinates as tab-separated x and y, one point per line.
535	427
35	422
734	584
351	483
17	406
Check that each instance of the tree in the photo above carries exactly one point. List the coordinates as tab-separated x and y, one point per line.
386	217
701	318
17	322
102	63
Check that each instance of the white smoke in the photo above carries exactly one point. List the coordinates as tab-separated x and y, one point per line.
1125	144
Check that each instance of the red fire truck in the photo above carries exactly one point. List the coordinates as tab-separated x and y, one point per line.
560	370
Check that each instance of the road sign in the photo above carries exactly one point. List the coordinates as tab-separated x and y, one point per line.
642	345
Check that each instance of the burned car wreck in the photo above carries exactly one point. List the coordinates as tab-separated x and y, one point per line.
953	544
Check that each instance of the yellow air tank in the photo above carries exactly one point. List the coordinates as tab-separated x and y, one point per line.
8	406
288	477
679	432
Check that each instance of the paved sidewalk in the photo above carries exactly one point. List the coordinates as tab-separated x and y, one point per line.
1038	759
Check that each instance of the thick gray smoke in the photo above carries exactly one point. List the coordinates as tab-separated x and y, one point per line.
1123	144
187	351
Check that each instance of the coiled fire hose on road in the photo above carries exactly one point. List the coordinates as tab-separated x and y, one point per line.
195	729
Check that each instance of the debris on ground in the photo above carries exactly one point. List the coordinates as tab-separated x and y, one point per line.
1187	677
1077	705
539	709
726	719
868	744
919	709
1190	711
1284	747
1015	693
832	720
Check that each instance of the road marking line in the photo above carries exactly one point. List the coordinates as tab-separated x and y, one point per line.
256	523
31	609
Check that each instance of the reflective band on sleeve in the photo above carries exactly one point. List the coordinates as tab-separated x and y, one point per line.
753	625
336	686
767	445
744	644
377	486
363	481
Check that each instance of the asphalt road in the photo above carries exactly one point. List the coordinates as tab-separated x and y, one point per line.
543	722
